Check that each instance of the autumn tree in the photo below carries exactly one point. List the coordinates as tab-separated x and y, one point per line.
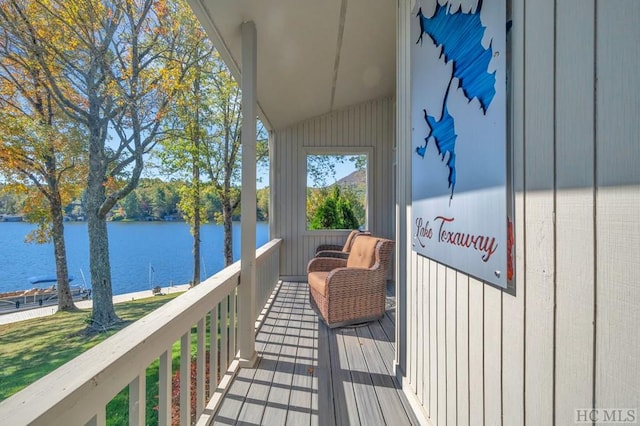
113	67
41	151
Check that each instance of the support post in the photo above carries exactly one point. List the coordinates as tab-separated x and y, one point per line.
273	175
402	172
246	291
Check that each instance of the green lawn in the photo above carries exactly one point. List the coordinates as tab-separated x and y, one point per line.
31	349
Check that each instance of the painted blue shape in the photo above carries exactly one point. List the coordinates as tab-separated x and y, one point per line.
459	35
444	135
421	150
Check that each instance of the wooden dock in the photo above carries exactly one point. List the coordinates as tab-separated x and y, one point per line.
37	298
310	374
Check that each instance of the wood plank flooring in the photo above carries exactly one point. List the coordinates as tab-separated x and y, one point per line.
309	374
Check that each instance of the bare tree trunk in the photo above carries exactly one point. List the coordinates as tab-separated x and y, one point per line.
227	221
104	314
65	300
196	183
196	226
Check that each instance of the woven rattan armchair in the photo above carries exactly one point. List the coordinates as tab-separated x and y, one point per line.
335	250
353	290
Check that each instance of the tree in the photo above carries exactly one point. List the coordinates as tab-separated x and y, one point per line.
352	191
184	147
131	206
113	67
41	152
206	139
223	151
263	204
315	198
334	212
212	204
10	203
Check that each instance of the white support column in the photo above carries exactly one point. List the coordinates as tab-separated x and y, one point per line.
246	291
273	204
403	183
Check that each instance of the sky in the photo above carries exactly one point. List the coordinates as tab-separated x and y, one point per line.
342	169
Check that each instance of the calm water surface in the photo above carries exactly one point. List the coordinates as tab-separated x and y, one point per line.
143	254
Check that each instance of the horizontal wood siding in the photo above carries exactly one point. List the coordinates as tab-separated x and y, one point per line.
369	126
569	337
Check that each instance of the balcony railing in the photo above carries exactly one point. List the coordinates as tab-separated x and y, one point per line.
79	391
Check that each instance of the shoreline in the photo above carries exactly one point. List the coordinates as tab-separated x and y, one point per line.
27	314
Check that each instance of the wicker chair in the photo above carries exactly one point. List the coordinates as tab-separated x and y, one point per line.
353	290
334	250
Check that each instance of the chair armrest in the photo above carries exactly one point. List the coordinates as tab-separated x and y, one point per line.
355	279
325	264
323	247
332	253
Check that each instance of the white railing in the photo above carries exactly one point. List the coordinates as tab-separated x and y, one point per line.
78	392
267	273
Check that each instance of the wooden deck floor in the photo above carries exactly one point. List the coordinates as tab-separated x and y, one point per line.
309	374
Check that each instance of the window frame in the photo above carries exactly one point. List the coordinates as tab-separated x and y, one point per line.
337	151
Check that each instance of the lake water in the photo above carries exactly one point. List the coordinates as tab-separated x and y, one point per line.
143	254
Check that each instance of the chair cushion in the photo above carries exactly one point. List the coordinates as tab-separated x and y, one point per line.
363	252
349	242
318	281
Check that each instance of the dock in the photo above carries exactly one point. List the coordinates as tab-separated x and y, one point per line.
25	314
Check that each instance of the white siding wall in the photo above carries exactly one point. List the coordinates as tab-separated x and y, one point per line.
570	336
368	126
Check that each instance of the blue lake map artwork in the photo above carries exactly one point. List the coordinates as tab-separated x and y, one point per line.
458	34
459	145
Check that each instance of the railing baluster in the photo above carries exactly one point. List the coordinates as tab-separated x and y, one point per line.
142	343
185	378
213	351
137	399
224	335
100	419
201	363
232	326
164	385
267	274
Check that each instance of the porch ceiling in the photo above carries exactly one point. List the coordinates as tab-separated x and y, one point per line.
313	56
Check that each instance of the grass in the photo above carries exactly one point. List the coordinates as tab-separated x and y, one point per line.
31	349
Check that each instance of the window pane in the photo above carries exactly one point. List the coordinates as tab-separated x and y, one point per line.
336	191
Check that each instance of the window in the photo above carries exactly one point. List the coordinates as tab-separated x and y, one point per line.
337	190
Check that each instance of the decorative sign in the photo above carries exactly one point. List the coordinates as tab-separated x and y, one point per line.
459	148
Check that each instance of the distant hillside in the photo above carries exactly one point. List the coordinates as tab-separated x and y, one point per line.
353	188
357	179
